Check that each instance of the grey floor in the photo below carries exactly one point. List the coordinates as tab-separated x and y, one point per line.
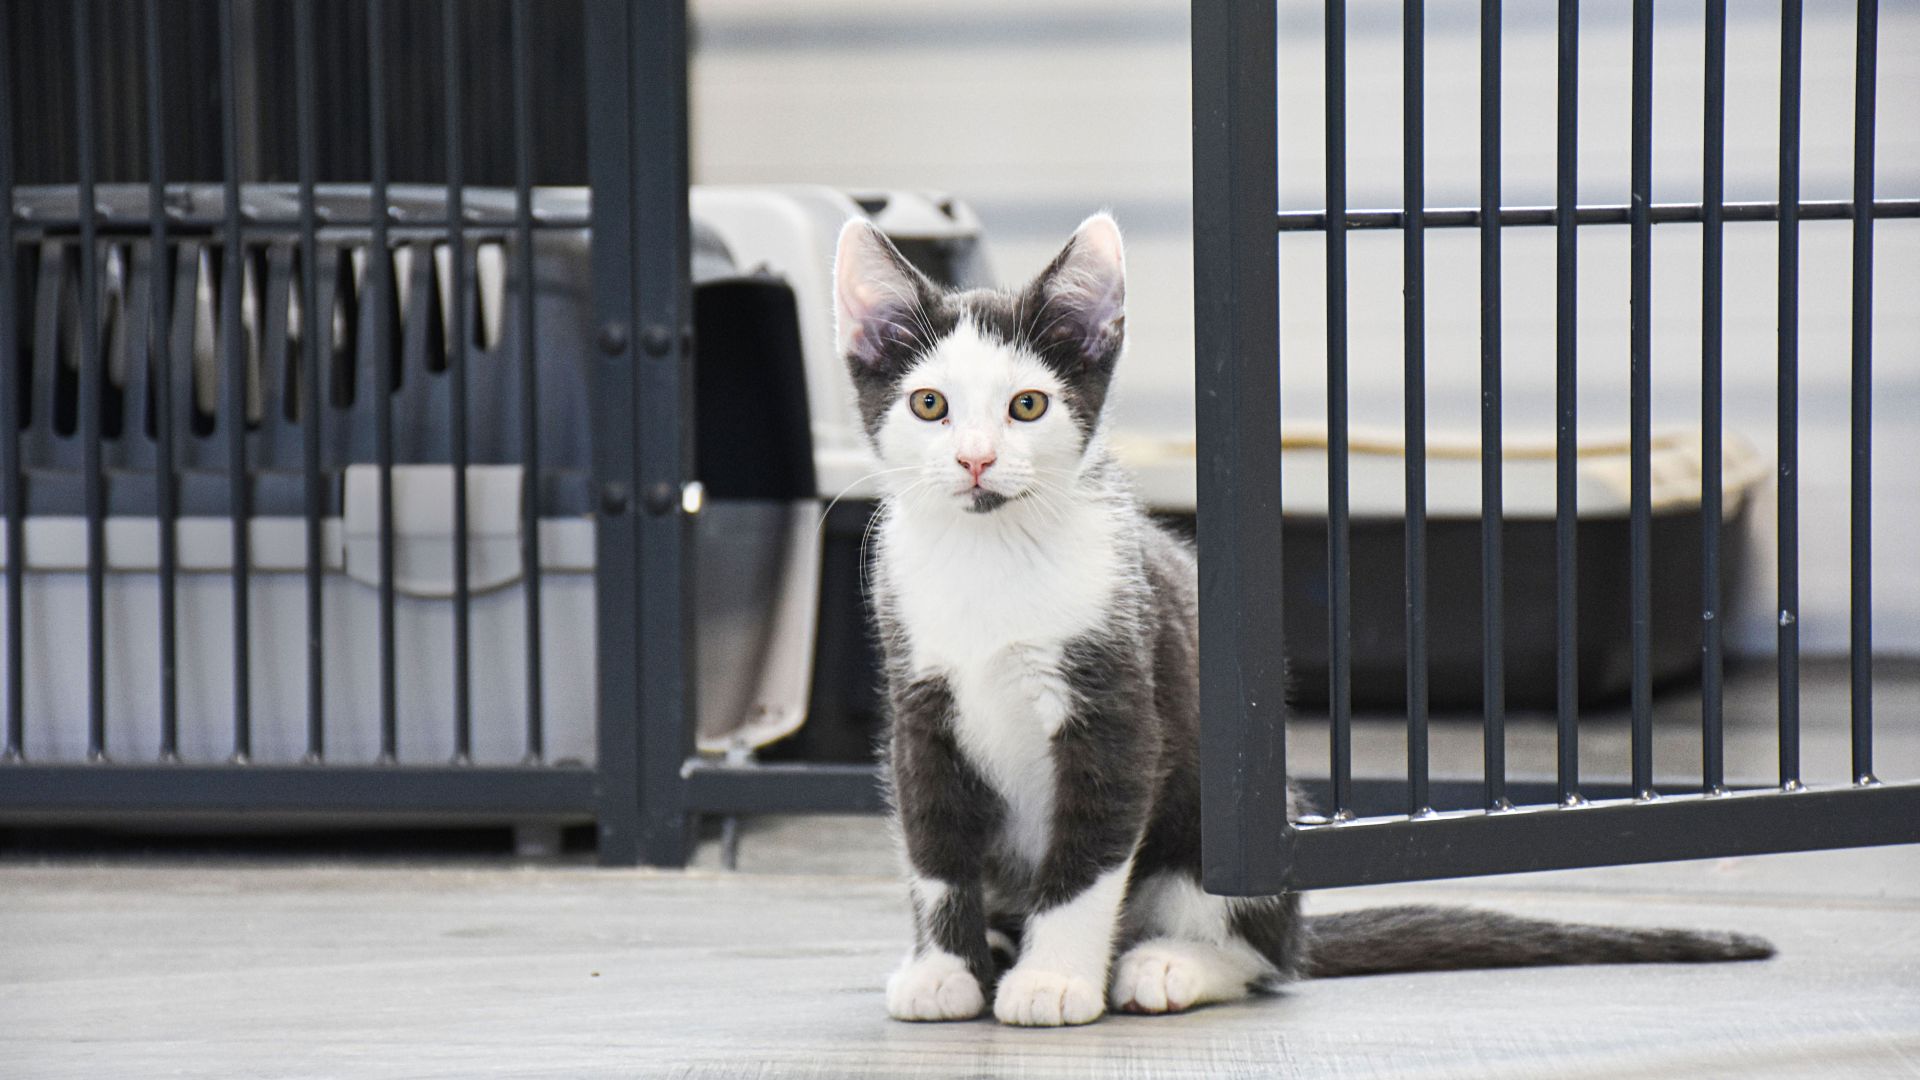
263	967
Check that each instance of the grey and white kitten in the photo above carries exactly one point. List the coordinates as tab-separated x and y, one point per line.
1041	656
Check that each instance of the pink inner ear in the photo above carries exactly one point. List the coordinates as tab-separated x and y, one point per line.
870	291
1091	284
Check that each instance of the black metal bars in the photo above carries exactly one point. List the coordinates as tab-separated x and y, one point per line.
159	357
1493	671
236	349
313	327
13	500
1237	412
1414	272
91	384
1249	846
1787	569
379	275
1640	333
458	338
1712	272
1860	645
529	376
235	376
1566	489
1339	532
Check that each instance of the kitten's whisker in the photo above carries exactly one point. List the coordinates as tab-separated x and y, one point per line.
835	501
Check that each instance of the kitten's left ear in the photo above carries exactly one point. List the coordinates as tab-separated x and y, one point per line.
1080	299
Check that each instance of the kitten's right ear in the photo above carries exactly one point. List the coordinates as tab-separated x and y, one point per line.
879	298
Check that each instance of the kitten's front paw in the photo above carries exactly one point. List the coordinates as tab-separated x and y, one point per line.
1154	980
1046	999
937	986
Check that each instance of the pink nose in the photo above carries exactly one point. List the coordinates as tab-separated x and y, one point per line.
976	464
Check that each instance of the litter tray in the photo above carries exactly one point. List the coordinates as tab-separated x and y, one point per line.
1378	546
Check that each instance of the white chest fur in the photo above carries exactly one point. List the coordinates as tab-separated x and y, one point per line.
989	602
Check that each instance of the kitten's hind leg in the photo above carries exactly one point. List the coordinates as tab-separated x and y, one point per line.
1190	948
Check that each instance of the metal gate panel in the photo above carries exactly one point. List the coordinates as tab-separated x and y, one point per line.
270	260
1253	843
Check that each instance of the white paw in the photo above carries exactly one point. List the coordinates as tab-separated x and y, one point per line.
936	986
1046	999
1155	980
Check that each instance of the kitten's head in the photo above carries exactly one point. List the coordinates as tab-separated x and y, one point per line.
975	399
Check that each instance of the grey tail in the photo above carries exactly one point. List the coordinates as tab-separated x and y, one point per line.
1394	939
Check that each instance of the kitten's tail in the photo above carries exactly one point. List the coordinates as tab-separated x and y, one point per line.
1394	939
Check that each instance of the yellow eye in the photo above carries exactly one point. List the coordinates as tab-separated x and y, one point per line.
1028	405
928	404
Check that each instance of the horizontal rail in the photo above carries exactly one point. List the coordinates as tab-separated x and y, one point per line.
504	794
1601	833
1661	214
781	788
715	788
116	224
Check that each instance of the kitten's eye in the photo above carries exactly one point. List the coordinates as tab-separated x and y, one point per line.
928	404
1028	405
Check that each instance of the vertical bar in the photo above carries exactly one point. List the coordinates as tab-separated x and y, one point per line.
1492	454
1339	570
1788	396
1414	273
457	344
90	384
1566	510
159	358
380	289
13	503
1641	389
1236	252
664	299
312	400
233	420
1861	646
529	373
1713	172
611	150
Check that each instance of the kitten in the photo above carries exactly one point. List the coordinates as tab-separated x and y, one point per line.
1041	656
